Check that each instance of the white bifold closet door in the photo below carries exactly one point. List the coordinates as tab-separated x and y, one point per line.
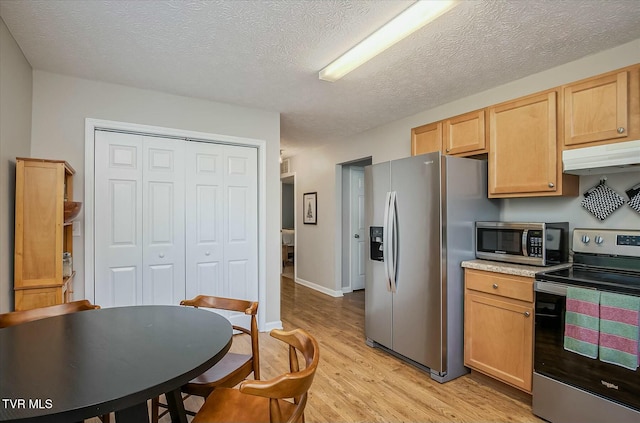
173	219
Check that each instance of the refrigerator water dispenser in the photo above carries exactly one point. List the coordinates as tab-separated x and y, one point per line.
376	242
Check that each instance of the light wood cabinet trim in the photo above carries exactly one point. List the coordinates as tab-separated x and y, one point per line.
426	138
469	138
67	166
510	286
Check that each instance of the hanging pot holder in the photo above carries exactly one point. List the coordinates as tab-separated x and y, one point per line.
601	200
634	197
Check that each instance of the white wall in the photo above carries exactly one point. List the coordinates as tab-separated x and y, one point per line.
15	141
61	104
318	251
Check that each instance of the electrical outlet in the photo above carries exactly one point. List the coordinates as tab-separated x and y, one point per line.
76	231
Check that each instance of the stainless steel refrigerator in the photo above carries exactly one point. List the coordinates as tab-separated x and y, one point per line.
420	212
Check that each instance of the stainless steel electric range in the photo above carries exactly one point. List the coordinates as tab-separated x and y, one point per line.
569	387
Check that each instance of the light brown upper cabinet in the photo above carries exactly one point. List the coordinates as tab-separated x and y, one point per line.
603	109
524	158
426	138
465	134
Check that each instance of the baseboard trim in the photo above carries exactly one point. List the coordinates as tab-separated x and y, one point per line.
269	326
319	288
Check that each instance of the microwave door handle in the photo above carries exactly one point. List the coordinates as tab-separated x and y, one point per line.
525	233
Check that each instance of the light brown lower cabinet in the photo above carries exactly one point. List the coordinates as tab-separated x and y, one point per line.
498	326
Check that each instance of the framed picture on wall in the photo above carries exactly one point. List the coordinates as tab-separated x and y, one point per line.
310	208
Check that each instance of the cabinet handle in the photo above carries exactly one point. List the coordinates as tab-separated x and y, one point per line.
448	150
208	253
551	185
621	130
495	286
527	314
161	255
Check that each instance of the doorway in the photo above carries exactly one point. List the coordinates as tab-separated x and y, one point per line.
287	229
354	233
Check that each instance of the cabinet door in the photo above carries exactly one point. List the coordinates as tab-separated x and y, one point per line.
465	134
426	138
523	153
39	223
597	110
498	338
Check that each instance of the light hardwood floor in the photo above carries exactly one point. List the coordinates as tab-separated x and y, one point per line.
356	383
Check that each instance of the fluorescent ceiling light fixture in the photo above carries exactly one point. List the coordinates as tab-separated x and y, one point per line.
407	22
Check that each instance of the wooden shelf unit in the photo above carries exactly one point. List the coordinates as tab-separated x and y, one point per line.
41	234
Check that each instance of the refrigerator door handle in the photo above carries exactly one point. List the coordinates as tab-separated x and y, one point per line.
393	224
385	240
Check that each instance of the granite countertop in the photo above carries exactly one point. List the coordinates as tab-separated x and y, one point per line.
510	268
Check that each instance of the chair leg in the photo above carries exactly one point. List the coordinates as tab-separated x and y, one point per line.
155	408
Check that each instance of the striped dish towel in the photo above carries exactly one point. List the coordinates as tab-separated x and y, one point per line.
581	325
619	323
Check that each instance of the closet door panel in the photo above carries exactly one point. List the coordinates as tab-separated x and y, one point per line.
204	217
241	225
123	284
163	222
118	219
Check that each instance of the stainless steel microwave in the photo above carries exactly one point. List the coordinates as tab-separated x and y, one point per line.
538	244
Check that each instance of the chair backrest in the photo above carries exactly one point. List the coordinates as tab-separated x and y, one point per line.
23	316
249	308
295	384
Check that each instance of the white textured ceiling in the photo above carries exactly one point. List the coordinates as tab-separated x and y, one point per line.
267	54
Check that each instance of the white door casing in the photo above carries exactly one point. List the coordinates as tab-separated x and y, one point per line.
357	228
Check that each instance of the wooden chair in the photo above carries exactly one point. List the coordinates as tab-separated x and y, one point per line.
24	316
265	400
17	317
234	367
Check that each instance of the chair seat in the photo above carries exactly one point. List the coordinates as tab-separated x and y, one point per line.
231	405
223	374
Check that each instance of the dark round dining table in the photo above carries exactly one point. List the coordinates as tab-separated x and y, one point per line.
76	366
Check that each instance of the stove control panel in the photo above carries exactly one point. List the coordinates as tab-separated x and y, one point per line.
607	241
631	240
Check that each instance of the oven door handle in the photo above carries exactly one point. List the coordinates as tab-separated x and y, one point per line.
554	288
551	288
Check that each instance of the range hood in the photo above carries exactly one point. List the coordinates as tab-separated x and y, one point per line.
601	159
